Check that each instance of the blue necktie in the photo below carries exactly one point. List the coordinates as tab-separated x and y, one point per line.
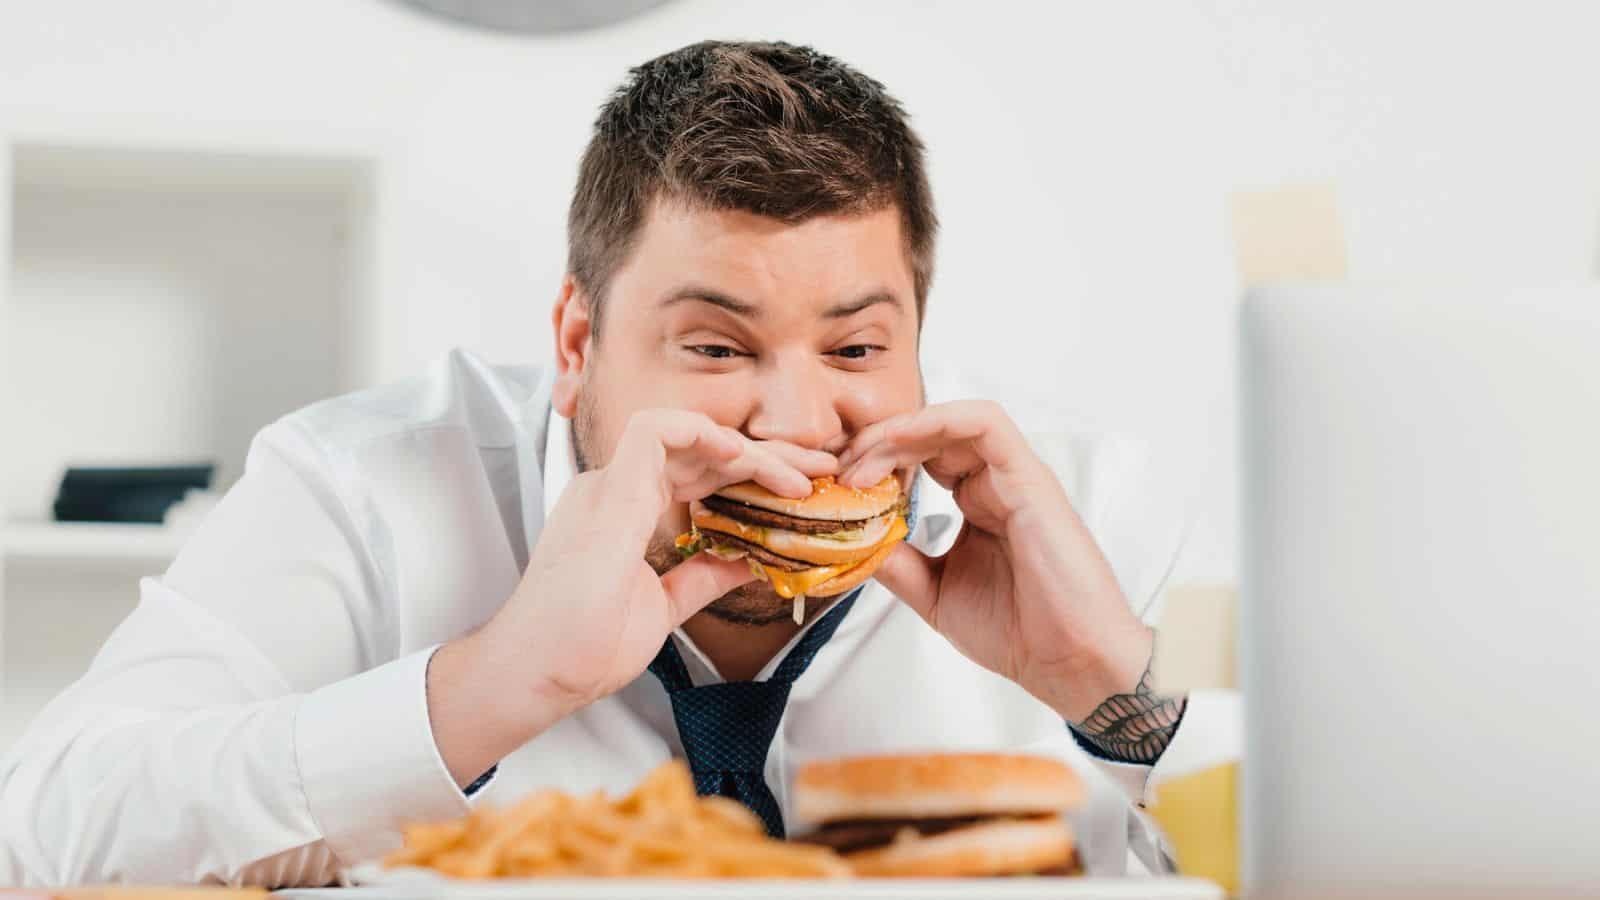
726	729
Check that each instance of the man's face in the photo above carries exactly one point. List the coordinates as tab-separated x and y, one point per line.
801	333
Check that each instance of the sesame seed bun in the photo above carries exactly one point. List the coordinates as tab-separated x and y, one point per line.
933	786
829	500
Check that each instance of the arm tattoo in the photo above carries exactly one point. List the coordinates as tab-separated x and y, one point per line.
1134	727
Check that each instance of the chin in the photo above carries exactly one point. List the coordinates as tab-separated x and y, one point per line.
751	604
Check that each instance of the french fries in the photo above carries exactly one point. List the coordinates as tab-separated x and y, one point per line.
660	830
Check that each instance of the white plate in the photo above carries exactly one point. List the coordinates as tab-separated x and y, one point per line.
375	883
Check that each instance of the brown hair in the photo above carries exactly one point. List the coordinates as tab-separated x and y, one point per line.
770	128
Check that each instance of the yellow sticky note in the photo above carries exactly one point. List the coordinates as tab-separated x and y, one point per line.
1200	815
1288	233
1195	645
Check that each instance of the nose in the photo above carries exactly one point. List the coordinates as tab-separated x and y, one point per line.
797	402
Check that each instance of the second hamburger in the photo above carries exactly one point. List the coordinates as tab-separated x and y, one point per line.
942	814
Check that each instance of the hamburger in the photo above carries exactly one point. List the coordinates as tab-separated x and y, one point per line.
942	815
815	546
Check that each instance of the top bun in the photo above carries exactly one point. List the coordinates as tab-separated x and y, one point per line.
829	500
927	786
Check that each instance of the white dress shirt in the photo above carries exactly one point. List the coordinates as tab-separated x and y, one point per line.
261	716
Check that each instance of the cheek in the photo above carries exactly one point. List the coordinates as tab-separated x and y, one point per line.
872	400
613	393
728	401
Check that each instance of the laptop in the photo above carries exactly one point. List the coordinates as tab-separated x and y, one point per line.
1420	619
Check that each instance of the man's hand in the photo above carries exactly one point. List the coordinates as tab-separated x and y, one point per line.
590	613
1024	591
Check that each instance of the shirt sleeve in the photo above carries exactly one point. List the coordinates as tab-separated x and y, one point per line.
249	722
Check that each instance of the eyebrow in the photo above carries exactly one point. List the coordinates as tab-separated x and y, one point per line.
845	310
704	295
752	311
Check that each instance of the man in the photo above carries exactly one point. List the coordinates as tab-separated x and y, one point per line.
439	589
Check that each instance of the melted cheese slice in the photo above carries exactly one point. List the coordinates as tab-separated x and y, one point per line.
791	584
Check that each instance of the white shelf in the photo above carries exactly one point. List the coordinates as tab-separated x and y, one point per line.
89	541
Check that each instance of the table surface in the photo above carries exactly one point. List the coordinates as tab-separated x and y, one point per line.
865	889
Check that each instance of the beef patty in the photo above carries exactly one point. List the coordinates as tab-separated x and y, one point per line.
868	834
757	552
865	834
755	515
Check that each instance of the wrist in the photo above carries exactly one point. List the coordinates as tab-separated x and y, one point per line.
485	702
1110	666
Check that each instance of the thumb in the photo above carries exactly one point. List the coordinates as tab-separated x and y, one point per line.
913	577
691	585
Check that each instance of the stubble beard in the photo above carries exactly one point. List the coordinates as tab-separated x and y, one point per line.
753	604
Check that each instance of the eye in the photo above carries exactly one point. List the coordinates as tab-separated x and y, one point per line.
714	351
857	351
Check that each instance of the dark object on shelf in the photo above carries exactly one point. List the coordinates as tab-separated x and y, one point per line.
118	494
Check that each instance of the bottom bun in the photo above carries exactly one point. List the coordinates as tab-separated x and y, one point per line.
995	847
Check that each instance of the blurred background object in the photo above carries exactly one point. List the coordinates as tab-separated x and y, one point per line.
539	16
1195	797
126	493
1420	579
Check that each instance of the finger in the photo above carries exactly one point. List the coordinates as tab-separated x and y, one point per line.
756	464
652	436
947	463
982	422
693	584
681	431
879	464
813	463
953	439
869	437
684	448
913	577
636	485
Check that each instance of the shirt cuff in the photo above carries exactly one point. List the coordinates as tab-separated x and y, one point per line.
368	763
1210	733
1133	778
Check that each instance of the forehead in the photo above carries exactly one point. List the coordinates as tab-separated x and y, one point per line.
766	260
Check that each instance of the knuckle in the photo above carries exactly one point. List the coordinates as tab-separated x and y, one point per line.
989	409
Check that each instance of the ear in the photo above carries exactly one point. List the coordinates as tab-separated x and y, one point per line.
573	331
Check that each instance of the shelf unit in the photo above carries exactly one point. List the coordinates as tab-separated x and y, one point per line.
158	303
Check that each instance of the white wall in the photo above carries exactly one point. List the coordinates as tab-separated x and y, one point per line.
1082	154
